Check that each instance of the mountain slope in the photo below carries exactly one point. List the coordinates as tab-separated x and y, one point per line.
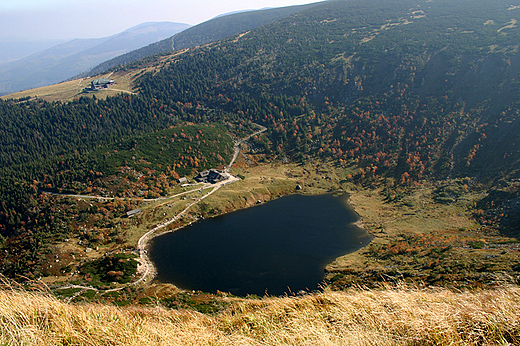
429	83
66	60
209	31
391	93
407	89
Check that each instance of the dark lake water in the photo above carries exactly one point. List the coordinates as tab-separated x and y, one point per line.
278	247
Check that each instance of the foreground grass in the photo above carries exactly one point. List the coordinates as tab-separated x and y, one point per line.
384	317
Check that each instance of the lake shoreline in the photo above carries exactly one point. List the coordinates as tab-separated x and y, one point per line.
326	251
150	271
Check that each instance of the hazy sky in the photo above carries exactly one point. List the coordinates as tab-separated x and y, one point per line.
63	19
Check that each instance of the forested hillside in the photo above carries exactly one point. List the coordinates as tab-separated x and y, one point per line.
120	147
406	88
395	91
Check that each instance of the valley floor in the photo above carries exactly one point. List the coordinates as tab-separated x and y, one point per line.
418	243
416	239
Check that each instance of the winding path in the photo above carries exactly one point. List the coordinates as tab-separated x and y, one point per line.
237	144
126	198
146	269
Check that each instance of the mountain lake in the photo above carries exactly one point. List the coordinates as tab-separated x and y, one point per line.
280	247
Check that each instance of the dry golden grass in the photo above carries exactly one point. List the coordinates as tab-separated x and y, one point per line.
67	91
387	317
64	91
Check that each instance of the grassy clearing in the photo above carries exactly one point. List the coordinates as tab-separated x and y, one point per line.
385	317
67	91
423	239
417	213
261	184
57	92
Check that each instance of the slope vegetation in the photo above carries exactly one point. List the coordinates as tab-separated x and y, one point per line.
387	317
407	89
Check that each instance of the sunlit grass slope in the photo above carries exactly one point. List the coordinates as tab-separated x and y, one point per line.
388	317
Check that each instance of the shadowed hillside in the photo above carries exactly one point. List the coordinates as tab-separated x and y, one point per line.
408	89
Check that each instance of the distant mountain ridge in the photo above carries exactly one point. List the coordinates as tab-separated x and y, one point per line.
63	61
12	49
212	30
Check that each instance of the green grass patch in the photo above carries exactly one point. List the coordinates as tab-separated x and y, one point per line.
113	268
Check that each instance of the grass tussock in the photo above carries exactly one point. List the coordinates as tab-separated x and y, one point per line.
387	317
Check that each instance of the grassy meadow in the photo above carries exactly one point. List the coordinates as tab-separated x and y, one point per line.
392	316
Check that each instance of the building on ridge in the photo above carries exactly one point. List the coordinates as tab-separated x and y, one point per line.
98	84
